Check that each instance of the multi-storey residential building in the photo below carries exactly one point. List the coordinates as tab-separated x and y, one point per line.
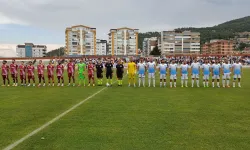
244	35
123	41
31	50
246	50
149	44
101	47
179	42
243	40
80	40
218	47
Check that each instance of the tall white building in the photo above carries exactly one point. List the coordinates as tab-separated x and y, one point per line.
80	40
31	50
179	42
101	47
123	41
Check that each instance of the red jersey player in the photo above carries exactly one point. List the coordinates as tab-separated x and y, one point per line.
40	70
71	72
91	68
59	73
5	70
31	72
13	71
50	70
22	72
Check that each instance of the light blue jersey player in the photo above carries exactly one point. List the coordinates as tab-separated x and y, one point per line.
195	66
237	69
216	73
141	67
184	73
173	73
226	73
206	73
163	72
151	72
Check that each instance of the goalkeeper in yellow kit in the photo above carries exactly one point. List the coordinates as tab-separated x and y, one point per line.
131	72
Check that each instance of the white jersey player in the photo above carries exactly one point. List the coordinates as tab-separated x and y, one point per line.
195	66
163	72
216	73
141	67
206	73
151	72
226	73
237	69
184	74
173	73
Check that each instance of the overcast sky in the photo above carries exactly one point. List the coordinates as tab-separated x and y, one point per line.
44	21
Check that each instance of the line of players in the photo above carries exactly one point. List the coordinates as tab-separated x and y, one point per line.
27	73
215	69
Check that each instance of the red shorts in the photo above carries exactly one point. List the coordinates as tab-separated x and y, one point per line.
5	76
70	75
40	75
91	75
13	75
30	76
51	76
59	77
22	77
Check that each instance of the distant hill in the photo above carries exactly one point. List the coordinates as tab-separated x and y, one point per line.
226	30
56	52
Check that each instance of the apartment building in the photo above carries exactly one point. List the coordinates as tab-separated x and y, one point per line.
101	47
31	50
218	47
123	41
244	35
80	40
243	40
148	45
179	42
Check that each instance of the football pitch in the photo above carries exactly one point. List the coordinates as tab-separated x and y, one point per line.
123	118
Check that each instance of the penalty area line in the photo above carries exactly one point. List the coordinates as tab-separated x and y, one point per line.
16	143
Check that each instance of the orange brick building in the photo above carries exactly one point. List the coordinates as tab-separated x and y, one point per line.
218	47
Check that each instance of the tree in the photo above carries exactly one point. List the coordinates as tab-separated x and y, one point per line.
242	46
155	51
56	52
141	37
227	30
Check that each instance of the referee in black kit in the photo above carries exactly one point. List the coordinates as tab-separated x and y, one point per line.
99	71
119	72
109	72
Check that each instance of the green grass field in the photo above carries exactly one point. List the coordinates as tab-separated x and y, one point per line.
122	118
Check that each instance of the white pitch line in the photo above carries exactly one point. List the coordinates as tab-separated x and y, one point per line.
13	145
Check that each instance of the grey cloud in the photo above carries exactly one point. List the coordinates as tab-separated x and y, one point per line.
228	2
220	2
105	14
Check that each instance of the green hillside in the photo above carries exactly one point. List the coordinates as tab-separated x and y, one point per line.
225	30
56	52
